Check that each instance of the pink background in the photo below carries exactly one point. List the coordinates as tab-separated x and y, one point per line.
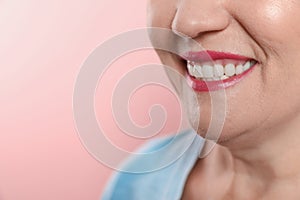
42	46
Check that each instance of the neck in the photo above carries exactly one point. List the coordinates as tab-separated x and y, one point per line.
273	154
266	161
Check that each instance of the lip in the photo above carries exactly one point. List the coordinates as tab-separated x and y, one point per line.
206	86
205	56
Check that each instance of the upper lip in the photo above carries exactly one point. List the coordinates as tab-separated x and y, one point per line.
205	56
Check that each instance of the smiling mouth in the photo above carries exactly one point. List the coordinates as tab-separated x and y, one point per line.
210	71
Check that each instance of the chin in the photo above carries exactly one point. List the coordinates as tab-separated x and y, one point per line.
230	134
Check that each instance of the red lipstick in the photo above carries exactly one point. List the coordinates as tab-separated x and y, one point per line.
205	56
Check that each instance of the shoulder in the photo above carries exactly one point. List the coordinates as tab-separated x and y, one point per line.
150	172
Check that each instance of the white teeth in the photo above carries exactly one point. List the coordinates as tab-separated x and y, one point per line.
207	79
239	69
207	71
247	66
224	77
198	71
190	68
230	69
218	70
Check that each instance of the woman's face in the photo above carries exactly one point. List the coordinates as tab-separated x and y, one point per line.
265	30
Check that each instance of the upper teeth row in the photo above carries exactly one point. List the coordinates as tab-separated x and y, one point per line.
217	71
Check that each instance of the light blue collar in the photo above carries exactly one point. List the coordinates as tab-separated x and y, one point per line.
164	184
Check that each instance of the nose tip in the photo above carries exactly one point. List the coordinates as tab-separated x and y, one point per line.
194	17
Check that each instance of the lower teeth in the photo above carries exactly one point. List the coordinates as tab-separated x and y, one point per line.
214	78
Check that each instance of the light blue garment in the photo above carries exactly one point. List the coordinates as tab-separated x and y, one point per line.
164	184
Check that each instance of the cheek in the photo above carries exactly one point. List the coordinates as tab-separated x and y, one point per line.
289	99
282	71
279	24
274	24
270	22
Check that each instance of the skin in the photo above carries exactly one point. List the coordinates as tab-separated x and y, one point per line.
257	156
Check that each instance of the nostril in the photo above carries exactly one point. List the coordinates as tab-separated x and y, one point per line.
180	34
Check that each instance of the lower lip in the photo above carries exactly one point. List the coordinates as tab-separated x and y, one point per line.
206	86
